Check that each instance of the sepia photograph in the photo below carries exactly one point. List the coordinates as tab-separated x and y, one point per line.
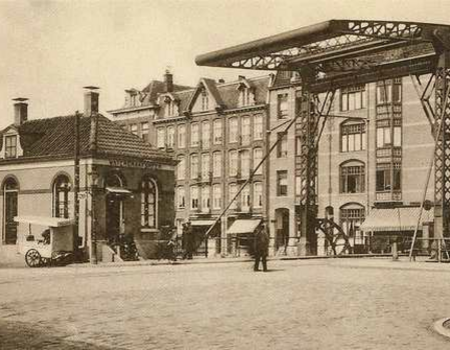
213	174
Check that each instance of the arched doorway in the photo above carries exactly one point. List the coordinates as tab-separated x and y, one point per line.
282	229
10	205
115	195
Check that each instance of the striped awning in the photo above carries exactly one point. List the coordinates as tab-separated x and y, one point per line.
396	219
243	226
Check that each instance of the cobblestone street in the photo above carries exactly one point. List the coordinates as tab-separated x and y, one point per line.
308	304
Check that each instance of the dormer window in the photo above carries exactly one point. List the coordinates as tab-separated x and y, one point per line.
246	97
205	100
170	108
11	146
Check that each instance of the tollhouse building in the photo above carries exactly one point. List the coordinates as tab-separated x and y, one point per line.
125	185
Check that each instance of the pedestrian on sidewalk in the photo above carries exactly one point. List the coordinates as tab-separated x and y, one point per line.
261	248
188	241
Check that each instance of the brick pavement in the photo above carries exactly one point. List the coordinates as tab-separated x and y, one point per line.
315	304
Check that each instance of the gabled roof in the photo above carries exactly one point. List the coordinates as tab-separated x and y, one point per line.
156	87
99	137
211	88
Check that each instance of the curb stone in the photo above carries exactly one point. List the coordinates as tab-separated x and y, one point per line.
439	327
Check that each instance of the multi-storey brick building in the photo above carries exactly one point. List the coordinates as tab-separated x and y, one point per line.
373	159
216	131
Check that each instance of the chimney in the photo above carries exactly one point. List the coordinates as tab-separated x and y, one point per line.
20	110
90	100
168	81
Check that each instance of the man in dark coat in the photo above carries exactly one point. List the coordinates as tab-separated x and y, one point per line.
261	248
188	240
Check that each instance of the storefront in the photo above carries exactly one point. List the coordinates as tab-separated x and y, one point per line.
116	186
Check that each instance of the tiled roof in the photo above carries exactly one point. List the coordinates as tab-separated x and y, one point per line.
226	94
55	137
156	87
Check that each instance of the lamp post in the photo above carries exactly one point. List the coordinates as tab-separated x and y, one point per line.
93	176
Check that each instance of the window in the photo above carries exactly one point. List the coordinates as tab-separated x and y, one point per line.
234	130
148	203
181	136
352	177
170	136
217	164
194	166
257	195
205	100
353	98
353	136
11	146
257	158
258	131
181	168
233	162
194	197
134	129
232	191
169	108
206	204
246	98
245	164
61	189
282	183
351	217
384	93
282	145
388	178
384	133
181	198
10	210
298	185
282	106
195	135
217	132
205	166
161	137
217	197
246	130
144	131
389	91
206	134
245	198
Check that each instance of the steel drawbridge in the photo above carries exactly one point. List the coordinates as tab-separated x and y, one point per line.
341	53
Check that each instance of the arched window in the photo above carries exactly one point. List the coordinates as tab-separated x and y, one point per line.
352	177
61	189
10	210
149	202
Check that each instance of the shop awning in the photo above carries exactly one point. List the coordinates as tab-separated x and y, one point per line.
202	222
44	221
118	190
396	219
243	226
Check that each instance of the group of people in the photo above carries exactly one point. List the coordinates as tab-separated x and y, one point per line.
260	247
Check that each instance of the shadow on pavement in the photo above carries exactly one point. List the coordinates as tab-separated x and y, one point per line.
16	335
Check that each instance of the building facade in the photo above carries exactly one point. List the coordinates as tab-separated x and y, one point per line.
373	159
217	133
125	185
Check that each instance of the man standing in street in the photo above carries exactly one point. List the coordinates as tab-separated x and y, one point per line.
189	241
261	248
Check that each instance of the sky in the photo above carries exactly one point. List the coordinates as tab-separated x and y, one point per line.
51	49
